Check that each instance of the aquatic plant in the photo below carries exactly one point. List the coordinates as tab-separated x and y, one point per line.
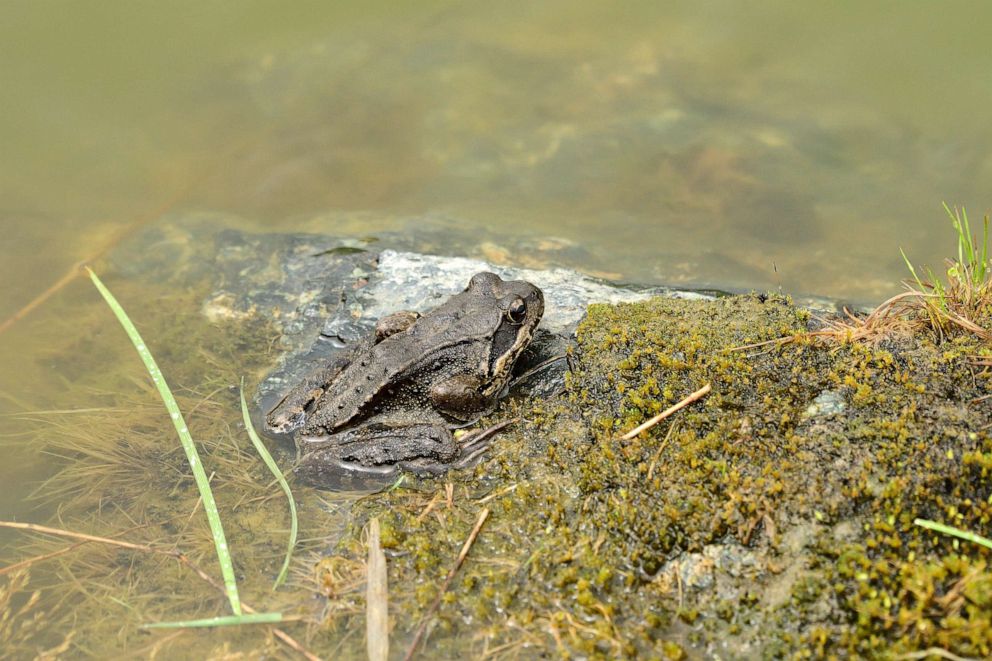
192	456
203	483
277	474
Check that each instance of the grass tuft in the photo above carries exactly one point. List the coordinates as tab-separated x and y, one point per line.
192	456
962	299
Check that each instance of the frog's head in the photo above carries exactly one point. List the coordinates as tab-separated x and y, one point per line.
518	306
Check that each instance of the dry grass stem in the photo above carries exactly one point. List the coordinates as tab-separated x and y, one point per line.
934	651
40	558
501	492
702	392
466	547
377	599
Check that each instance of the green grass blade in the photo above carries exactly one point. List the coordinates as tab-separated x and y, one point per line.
223	621
983	267
274	469
954	532
956	222
938	289
969	239
909	265
209	504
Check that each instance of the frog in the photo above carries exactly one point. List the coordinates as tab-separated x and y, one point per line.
393	402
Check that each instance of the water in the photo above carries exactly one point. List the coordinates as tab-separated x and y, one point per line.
778	146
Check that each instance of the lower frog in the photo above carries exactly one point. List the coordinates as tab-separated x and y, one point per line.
391	403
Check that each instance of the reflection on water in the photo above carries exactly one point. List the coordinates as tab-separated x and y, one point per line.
699	144
691	144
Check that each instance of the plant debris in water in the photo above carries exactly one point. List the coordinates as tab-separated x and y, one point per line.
774	517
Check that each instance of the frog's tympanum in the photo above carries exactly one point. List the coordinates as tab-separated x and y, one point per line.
392	401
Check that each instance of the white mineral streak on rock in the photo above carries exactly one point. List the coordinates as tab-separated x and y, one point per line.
420	282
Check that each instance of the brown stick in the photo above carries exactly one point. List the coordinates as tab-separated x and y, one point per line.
178	555
483	515
376	599
77	268
39	558
34	527
667	412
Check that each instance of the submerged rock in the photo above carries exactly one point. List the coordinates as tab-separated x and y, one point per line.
322	297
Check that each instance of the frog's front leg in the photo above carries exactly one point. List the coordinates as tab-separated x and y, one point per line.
460	397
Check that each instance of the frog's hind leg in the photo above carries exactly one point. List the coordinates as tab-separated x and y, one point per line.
290	411
471	447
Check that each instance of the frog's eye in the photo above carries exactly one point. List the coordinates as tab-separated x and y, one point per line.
517	311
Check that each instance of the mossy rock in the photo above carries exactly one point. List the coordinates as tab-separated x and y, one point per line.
772	518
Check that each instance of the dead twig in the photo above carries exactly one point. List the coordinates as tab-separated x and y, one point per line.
77	268
667	412
429	508
661	448
376	599
483	515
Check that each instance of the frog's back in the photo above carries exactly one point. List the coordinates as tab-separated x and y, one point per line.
396	373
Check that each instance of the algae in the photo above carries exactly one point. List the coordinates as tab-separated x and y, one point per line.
773	518
116	471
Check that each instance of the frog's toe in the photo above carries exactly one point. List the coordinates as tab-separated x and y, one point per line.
472	446
472	453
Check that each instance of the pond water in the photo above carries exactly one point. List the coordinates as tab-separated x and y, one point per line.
782	146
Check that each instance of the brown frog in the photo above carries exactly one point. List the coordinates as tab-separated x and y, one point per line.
392	402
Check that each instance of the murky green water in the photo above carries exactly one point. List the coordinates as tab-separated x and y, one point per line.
778	145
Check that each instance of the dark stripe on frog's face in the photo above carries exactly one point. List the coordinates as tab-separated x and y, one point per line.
522	307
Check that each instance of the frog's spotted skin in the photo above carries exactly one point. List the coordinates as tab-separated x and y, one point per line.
394	400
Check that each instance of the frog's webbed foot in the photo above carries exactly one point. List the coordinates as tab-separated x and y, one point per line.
473	445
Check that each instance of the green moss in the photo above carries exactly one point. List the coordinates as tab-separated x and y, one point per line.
744	520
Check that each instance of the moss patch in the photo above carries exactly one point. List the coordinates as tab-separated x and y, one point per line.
772	518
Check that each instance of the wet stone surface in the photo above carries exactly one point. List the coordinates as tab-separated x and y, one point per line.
321	293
